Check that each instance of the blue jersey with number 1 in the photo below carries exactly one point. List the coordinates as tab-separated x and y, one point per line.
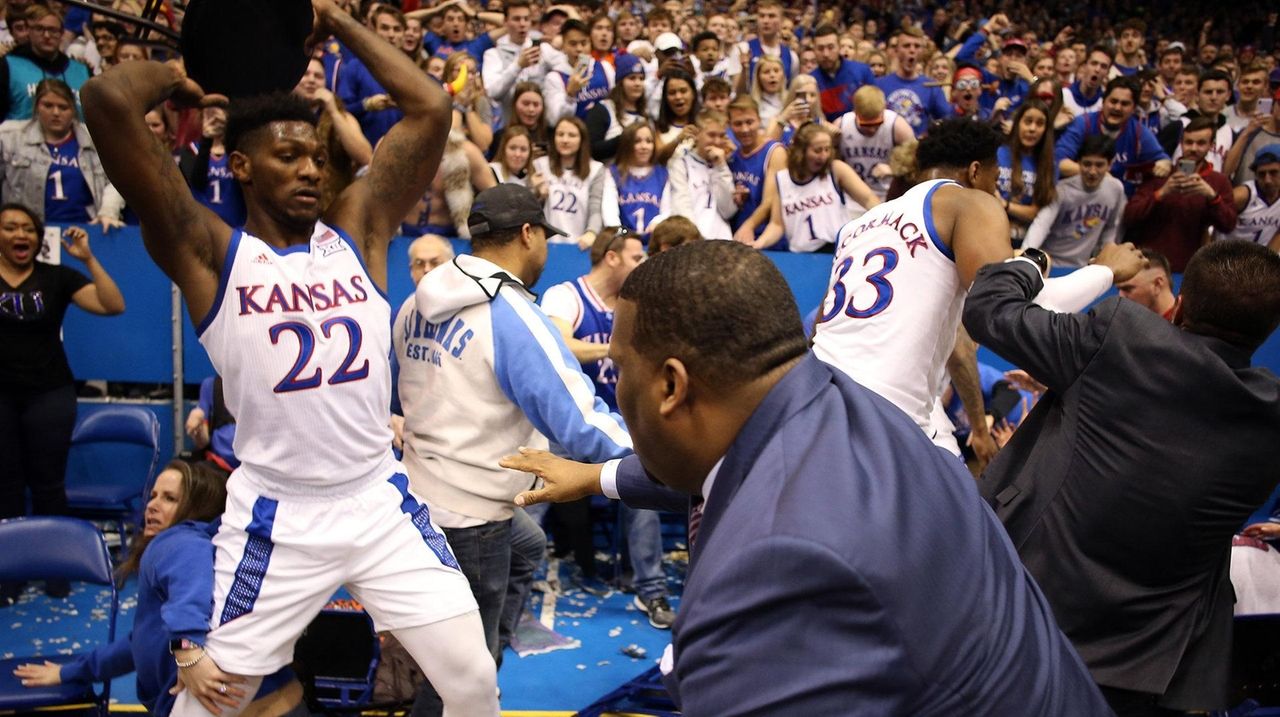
222	194
640	198
67	198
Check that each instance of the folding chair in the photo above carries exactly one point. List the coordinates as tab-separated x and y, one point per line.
54	548
114	452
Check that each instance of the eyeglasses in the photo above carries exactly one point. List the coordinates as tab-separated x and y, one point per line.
967	84
45	30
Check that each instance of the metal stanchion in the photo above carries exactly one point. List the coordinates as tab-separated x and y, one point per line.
179	401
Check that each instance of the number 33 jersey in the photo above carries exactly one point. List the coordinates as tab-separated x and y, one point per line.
892	307
301	338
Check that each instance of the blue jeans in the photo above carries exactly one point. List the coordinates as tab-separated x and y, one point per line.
484	554
528	546
644	542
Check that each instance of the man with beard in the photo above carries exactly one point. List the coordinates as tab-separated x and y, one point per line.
1138	154
1172	214
838	78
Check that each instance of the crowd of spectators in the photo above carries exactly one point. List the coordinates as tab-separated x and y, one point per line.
625	114
766	122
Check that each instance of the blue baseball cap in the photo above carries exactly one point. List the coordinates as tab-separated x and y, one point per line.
1268	154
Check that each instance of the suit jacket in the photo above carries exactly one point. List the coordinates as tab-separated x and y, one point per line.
845	565
1122	489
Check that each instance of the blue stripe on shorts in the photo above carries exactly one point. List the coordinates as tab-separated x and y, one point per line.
253	564
421	517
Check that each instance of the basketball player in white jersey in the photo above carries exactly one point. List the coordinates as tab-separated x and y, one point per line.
868	134
814	196
1258	201
292	314
891	315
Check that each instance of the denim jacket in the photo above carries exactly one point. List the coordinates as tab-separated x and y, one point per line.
25	162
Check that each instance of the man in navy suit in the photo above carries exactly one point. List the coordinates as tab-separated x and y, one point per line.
841	564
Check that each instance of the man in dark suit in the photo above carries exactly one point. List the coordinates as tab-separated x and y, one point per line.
841	563
1125	518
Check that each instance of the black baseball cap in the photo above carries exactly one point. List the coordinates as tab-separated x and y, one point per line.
507	206
240	48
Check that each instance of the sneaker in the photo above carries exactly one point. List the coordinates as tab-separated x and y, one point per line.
659	611
594	586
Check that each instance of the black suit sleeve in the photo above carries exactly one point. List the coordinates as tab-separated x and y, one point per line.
639	490
1052	347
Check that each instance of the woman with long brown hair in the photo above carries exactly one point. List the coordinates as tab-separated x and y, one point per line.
1028	171
173	558
643	199
814	196
578	187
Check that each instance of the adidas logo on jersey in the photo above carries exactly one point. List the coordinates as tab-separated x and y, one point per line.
262	259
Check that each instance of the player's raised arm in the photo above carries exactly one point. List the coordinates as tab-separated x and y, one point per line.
406	158
186	240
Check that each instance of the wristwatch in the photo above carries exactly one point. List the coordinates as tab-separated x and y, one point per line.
1040	258
182	644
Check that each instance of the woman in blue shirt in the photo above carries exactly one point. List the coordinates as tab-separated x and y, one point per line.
643	200
174	561
1031	186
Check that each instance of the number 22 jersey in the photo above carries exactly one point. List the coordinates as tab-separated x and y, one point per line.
892	307
301	338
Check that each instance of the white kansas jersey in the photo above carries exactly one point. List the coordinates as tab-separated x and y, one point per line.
812	212
1259	221
702	179
864	152
301	338
892	308
568	205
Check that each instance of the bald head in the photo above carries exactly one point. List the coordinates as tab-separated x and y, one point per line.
426	253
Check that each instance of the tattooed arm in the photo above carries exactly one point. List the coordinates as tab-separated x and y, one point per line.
406	159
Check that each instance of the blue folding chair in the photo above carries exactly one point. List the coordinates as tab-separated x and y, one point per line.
54	548
114	452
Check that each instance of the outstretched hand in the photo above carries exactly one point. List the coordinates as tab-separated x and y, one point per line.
563	480
46	675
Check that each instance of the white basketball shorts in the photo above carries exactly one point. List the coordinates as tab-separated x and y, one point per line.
278	562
